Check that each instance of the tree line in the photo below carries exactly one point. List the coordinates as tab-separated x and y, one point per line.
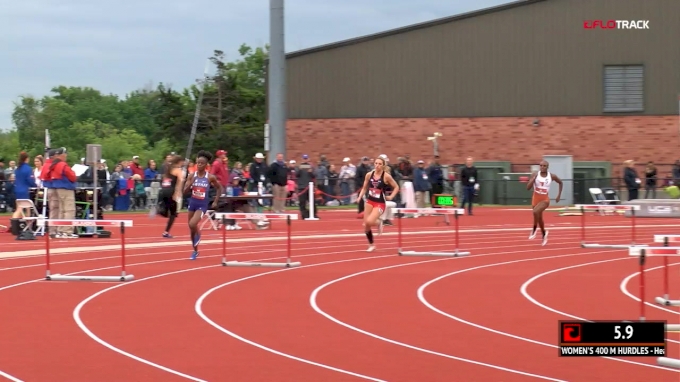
150	122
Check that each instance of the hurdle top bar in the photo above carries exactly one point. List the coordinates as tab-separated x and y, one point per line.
430	211
609	207
654	251
249	216
83	223
671	238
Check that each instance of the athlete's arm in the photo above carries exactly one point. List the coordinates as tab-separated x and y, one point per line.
557	180
395	186
218	187
532	180
363	188
187	185
177	194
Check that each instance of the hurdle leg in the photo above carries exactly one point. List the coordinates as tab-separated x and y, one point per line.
47	251
224	241
583	226
399	234
642	284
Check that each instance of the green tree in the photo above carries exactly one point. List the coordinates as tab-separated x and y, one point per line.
151	122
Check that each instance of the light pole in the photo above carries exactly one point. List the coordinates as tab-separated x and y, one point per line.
433	138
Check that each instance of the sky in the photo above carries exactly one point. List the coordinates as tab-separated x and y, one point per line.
123	45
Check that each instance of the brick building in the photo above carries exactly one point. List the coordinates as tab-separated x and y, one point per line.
509	83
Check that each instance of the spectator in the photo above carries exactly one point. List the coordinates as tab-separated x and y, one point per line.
323	161
305	174
291	184
127	170
23	181
278	175
469	182
347	173
258	172
136	168
38	163
421	184
103	177
676	172
150	173
631	179
321	175
63	183
10	170
8	191
436	177
139	194
220	170
333	177
363	169
650	180
52	198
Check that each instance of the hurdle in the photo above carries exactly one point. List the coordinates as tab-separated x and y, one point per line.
431	211
46	223
646	252
224	216
666	240
608	207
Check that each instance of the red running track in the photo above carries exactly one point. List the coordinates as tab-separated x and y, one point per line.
344	315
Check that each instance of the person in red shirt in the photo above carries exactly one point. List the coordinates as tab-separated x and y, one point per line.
220	170
62	182
136	167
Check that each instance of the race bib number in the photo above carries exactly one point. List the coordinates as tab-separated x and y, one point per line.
374	193
198	193
167	182
472	180
424	176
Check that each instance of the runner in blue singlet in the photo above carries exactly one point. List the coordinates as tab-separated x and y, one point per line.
199	184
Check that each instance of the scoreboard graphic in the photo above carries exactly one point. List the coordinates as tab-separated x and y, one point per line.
612	339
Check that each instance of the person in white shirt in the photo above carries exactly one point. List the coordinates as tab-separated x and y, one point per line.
540	200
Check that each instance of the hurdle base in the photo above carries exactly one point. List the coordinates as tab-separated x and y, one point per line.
672	328
440	254
260	265
668	362
612	246
667	302
58	277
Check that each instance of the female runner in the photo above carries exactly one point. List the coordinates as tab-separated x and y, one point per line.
171	191
540	200
199	183
375	183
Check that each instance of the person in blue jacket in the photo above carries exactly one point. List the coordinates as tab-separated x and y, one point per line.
23	181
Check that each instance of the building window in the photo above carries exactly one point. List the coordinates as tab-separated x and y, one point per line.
623	88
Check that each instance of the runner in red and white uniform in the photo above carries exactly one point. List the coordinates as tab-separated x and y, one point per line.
374	188
540	200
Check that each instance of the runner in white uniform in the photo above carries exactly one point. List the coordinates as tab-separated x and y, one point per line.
540	200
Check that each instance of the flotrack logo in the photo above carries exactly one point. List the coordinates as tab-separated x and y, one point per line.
616	24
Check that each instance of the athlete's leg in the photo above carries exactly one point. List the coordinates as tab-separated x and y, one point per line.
538	216
171	205
368	211
534	204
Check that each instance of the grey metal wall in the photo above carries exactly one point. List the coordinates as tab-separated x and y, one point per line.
530	60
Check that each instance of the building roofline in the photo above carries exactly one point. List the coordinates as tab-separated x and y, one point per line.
412	27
